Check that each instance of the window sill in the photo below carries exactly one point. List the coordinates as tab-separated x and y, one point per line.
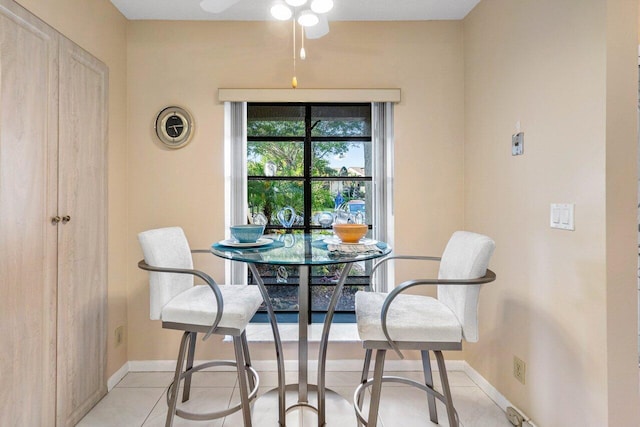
340	332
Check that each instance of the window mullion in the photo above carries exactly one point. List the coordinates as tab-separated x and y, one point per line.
307	170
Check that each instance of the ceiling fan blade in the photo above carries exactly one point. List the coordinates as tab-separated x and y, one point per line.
217	6
318	30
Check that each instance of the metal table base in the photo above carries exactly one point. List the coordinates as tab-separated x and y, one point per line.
303	405
265	413
305	399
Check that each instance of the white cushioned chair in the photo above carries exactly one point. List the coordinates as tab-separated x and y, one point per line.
397	321
208	309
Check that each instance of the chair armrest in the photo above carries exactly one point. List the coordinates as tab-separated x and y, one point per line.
489	276
202	275
405	257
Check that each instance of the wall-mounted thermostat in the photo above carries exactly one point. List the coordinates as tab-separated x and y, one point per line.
517	144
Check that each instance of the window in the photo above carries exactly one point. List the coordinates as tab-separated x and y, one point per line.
297	166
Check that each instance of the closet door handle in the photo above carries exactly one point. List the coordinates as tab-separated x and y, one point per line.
56	219
66	219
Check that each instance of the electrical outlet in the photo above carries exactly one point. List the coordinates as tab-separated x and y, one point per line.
519	369
119	335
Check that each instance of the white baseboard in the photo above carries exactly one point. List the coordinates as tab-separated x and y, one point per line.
486	386
152	365
118	376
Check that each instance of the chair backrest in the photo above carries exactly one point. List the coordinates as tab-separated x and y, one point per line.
466	256
166	247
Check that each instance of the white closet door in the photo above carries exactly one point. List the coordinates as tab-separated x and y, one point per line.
82	278
28	247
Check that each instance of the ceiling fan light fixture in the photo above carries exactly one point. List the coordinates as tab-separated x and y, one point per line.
319	30
281	11
296	3
307	18
321	6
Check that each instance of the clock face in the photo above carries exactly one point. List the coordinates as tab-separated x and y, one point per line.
174	127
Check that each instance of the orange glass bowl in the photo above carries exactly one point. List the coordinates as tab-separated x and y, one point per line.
350	233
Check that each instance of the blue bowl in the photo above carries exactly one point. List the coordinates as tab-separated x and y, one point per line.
247	233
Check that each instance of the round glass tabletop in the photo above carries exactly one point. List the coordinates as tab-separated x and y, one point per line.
300	249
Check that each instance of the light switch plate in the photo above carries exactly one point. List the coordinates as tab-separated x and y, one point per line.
517	144
562	216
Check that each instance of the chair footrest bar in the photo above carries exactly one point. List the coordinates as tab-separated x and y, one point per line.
393	379
218	414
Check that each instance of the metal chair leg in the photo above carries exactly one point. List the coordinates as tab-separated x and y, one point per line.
173	400
247	358
277	343
428	380
242	381
376	388
324	343
446	390
190	355
363	378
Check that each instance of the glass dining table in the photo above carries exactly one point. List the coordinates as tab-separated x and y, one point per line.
303	251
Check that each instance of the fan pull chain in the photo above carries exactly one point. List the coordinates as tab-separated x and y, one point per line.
294	80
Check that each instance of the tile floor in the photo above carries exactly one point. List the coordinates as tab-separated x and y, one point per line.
139	400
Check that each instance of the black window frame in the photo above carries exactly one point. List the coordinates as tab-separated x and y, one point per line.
315	315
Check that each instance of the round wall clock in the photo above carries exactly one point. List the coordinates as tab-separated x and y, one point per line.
174	126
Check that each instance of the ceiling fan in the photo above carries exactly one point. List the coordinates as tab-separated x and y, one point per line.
217	6
313	19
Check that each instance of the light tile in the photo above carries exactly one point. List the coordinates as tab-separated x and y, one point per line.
456	378
476	409
146	379
123	407
340	410
345	392
339	404
264	411
202	400
341	379
163	379
269	379
139	400
214	379
348	394
407	407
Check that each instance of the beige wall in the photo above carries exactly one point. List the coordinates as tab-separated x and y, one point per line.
565	301
621	208
100	29
185	63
